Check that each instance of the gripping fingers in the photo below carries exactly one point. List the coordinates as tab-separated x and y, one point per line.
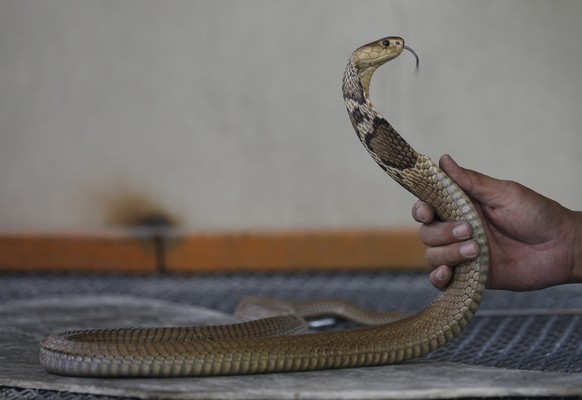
422	212
443	257
441	276
435	233
444	233
452	254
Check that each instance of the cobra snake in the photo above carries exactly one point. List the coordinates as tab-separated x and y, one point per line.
278	343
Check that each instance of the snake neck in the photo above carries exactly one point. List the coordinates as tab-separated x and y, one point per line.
390	151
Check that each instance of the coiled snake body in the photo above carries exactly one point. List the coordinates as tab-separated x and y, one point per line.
276	344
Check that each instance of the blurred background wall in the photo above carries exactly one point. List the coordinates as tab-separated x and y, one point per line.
228	114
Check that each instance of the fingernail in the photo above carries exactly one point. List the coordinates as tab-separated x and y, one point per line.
461	231
469	250
440	274
420	215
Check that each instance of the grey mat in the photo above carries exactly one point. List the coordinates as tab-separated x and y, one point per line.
529	341
539	331
24	323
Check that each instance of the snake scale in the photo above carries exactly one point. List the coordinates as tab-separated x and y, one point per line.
278	344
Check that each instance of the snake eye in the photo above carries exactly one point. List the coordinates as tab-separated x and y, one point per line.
385	43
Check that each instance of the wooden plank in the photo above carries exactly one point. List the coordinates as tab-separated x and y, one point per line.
151	251
111	251
294	251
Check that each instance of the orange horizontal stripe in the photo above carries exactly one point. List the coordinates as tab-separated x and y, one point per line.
149	251
99	251
294	251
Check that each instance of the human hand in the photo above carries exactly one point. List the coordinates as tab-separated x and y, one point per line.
534	242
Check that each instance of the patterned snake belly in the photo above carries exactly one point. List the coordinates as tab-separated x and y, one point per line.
276	344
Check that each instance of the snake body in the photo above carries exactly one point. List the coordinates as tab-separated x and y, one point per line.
275	344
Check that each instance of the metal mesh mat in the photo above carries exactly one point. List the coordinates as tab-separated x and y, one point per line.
378	291
18	394
532	342
539	330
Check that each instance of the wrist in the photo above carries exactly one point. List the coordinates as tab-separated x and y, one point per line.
576	250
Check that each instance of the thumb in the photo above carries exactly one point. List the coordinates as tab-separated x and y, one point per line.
478	186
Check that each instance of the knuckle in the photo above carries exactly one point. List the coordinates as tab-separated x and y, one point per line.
431	257
436	234
422	233
444	255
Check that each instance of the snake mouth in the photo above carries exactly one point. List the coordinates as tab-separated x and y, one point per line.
414	54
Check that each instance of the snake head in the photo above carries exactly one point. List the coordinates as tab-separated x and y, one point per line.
372	55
